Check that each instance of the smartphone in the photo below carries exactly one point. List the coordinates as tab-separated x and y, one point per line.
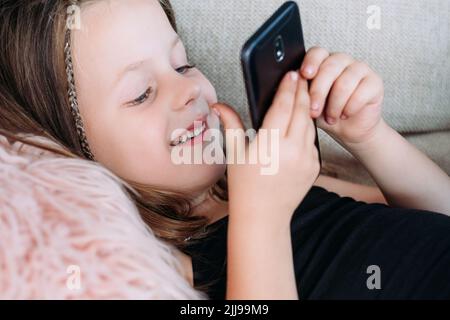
276	48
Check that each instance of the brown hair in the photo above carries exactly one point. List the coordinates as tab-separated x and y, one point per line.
34	101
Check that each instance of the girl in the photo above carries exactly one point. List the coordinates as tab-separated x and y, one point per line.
115	89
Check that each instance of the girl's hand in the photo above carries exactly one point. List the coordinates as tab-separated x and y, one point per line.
346	95
270	200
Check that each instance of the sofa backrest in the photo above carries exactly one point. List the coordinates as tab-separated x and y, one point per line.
410	50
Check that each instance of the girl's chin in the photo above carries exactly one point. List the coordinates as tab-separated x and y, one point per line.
203	177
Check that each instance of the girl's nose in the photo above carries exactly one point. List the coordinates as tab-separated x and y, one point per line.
186	91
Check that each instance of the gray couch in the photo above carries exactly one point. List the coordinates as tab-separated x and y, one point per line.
410	51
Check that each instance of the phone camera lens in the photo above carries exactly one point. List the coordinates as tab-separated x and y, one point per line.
279	49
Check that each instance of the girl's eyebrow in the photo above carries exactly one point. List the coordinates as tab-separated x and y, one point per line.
135	65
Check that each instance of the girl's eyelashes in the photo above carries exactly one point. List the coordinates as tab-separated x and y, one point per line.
186	67
143	97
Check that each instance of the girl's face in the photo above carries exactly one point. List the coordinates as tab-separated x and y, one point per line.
134	91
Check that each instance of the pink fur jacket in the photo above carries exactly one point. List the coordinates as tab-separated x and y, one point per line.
68	230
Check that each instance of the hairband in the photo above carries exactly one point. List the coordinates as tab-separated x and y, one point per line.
71	91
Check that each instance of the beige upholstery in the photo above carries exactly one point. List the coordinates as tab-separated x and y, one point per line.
411	52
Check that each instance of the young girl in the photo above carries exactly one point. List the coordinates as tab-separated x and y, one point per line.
115	90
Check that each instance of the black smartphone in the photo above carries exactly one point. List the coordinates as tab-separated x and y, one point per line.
276	48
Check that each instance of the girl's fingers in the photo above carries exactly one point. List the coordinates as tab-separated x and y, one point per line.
364	95
301	120
229	117
312	61
329	71
231	121
279	114
343	89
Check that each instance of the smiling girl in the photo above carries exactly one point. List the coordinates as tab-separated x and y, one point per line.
115	91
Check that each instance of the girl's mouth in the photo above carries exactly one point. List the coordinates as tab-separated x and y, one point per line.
193	135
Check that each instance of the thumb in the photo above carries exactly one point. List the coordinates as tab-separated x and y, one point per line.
228	116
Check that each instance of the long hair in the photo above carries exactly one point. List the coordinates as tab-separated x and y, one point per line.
34	101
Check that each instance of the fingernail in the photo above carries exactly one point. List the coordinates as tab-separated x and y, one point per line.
294	76
331	120
217	112
315	106
344	117
308	70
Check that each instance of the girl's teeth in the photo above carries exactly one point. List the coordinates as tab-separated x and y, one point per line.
189	135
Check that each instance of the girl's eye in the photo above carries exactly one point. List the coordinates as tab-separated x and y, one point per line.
186	67
142	98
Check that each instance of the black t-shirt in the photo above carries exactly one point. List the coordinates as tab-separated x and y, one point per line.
343	247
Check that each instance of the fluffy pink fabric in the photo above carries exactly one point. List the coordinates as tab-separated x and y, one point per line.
69	231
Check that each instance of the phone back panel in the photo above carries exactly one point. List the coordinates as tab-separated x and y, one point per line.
262	72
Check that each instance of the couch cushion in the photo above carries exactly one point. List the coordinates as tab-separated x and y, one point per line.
411	52
341	164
